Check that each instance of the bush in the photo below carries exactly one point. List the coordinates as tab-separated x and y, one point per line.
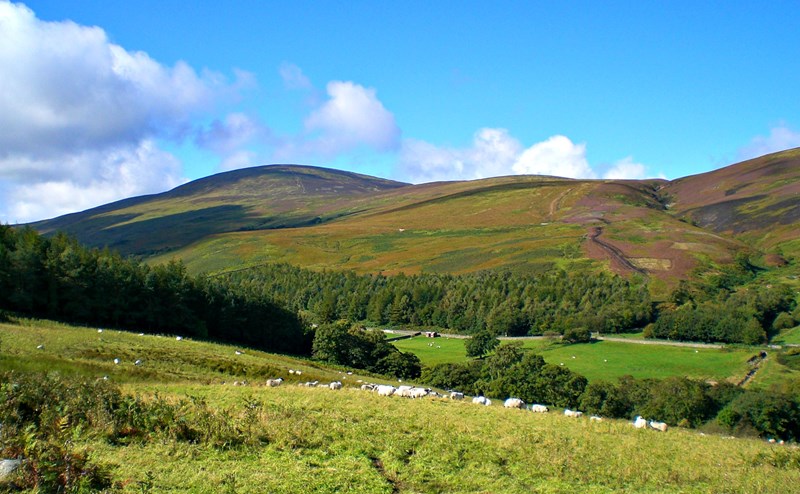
769	413
783	321
577	335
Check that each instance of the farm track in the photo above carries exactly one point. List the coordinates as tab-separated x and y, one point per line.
615	254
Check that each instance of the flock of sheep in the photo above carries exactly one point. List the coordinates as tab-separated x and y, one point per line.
419	392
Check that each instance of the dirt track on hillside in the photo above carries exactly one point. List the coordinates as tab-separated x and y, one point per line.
618	259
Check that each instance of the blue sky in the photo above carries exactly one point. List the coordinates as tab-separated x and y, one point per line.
101	101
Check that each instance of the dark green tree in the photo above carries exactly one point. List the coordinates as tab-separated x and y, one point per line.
480	344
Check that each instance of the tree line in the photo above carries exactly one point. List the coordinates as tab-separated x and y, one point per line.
58	278
499	302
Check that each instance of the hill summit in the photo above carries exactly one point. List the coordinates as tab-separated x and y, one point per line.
325	218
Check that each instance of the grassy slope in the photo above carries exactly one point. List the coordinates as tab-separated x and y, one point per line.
318	440
607	360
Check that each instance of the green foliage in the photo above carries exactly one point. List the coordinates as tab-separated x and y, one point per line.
577	335
344	344
480	344
784	320
59	279
502	303
768	413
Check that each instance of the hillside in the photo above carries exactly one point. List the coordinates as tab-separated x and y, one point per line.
193	430
322	218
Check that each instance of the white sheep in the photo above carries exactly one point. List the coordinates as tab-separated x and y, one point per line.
539	409
385	390
418	392
178	338
274	382
403	391
639	422
116	361
480	400
367	387
514	403
596	418
455	395
659	426
572	413
138	362
335	385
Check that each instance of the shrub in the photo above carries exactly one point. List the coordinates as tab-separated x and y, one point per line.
577	335
783	321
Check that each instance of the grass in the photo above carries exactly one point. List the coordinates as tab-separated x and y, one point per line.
788	337
316	440
606	360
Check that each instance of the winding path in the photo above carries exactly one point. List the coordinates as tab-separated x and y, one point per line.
616	254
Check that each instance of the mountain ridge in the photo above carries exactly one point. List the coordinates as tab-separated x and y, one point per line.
325	218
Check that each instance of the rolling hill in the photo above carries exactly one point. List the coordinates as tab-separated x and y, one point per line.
323	218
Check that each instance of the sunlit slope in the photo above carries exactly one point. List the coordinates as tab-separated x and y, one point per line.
520	223
329	219
757	201
274	196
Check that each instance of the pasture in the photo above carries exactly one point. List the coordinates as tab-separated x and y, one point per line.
605	360
317	440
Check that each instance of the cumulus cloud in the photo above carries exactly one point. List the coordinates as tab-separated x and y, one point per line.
493	152
80	115
626	169
557	156
352	116
90	178
780	138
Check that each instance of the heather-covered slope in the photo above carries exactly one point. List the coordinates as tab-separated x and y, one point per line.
322	218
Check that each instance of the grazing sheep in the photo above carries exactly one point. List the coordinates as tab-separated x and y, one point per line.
418	392
335	385
659	426
237	352
40	347
455	395
138	362
298	373
310	384
572	413
99	330
116	361
291	371
178	338
514	403
274	382
367	387
385	390
480	400
539	409
639	422
404	391
596	418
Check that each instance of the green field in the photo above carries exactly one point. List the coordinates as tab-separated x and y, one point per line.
606	360
315	440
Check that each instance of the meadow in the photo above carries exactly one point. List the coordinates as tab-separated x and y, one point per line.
300	439
606	360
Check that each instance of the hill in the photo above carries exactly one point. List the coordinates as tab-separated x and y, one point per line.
173	426
321	218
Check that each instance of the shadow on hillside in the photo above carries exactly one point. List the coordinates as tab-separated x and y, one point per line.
158	235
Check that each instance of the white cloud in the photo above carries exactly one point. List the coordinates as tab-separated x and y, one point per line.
353	116
293	77
557	156
239	159
80	115
493	152
92	178
626	169
779	139
229	135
